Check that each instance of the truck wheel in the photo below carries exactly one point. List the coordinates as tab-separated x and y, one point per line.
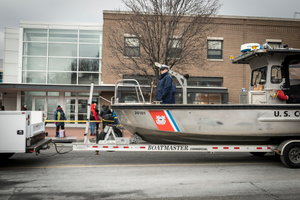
291	155
259	154
6	156
118	133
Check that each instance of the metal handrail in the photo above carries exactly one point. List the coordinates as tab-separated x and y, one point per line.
129	80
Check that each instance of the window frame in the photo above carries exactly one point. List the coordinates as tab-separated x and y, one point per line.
131	48
272	80
259	69
214	57
177	50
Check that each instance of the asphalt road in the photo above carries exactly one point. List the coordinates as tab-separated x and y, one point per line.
146	175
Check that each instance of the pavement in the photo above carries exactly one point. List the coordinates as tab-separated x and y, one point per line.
76	134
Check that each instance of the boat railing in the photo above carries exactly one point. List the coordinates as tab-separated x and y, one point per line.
137	87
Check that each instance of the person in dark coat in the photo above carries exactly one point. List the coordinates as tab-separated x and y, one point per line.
105	115
173	94
2	108
24	107
164	88
59	115
105	110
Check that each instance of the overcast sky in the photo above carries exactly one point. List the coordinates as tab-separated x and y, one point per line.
90	11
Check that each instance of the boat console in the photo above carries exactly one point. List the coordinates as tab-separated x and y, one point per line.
275	75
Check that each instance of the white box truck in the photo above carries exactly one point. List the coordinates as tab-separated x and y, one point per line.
22	132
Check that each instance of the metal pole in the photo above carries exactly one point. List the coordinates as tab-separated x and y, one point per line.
86	139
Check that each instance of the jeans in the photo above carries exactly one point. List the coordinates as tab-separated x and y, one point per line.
92	127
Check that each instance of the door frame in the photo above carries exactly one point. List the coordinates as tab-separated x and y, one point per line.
77	98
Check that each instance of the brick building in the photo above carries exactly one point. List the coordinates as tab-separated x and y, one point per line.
231	33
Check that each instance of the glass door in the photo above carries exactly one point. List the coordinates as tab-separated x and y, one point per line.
70	111
51	107
39	104
82	110
76	109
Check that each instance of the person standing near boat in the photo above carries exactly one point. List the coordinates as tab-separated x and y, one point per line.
59	115
164	88
93	116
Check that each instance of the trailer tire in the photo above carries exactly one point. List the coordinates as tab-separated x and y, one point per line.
5	156
117	131
258	154
291	155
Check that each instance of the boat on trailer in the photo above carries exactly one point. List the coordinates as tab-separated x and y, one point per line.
268	113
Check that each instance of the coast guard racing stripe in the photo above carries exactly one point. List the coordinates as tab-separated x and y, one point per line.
164	120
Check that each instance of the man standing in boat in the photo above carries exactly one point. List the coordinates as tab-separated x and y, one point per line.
164	88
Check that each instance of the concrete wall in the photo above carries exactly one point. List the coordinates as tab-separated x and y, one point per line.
10	100
11	55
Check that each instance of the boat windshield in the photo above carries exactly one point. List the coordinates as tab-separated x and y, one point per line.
259	76
276	76
294	72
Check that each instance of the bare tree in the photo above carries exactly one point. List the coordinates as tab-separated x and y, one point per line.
171	32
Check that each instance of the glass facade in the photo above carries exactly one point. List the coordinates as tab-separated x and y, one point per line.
58	56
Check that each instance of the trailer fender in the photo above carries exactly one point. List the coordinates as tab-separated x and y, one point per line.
282	146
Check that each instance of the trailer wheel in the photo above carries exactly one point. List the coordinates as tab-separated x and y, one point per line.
258	154
117	131
291	155
6	156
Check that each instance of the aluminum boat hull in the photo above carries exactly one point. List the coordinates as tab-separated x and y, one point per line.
211	124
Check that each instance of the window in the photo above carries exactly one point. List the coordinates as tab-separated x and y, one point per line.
61	56
175	48
206	98
276	74
131	47
274	43
294	72
259	76
198	81
214	49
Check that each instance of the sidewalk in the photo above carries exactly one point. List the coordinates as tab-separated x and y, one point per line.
77	134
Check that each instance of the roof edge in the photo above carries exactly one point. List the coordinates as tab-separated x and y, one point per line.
218	16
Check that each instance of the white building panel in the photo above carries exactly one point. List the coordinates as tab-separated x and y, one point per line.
10	57
12	44
11	69
10	79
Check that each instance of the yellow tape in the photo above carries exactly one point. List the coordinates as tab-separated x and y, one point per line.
79	120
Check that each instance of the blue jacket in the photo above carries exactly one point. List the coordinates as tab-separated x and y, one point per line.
164	88
62	117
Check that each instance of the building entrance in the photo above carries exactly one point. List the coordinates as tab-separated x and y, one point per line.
76	109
